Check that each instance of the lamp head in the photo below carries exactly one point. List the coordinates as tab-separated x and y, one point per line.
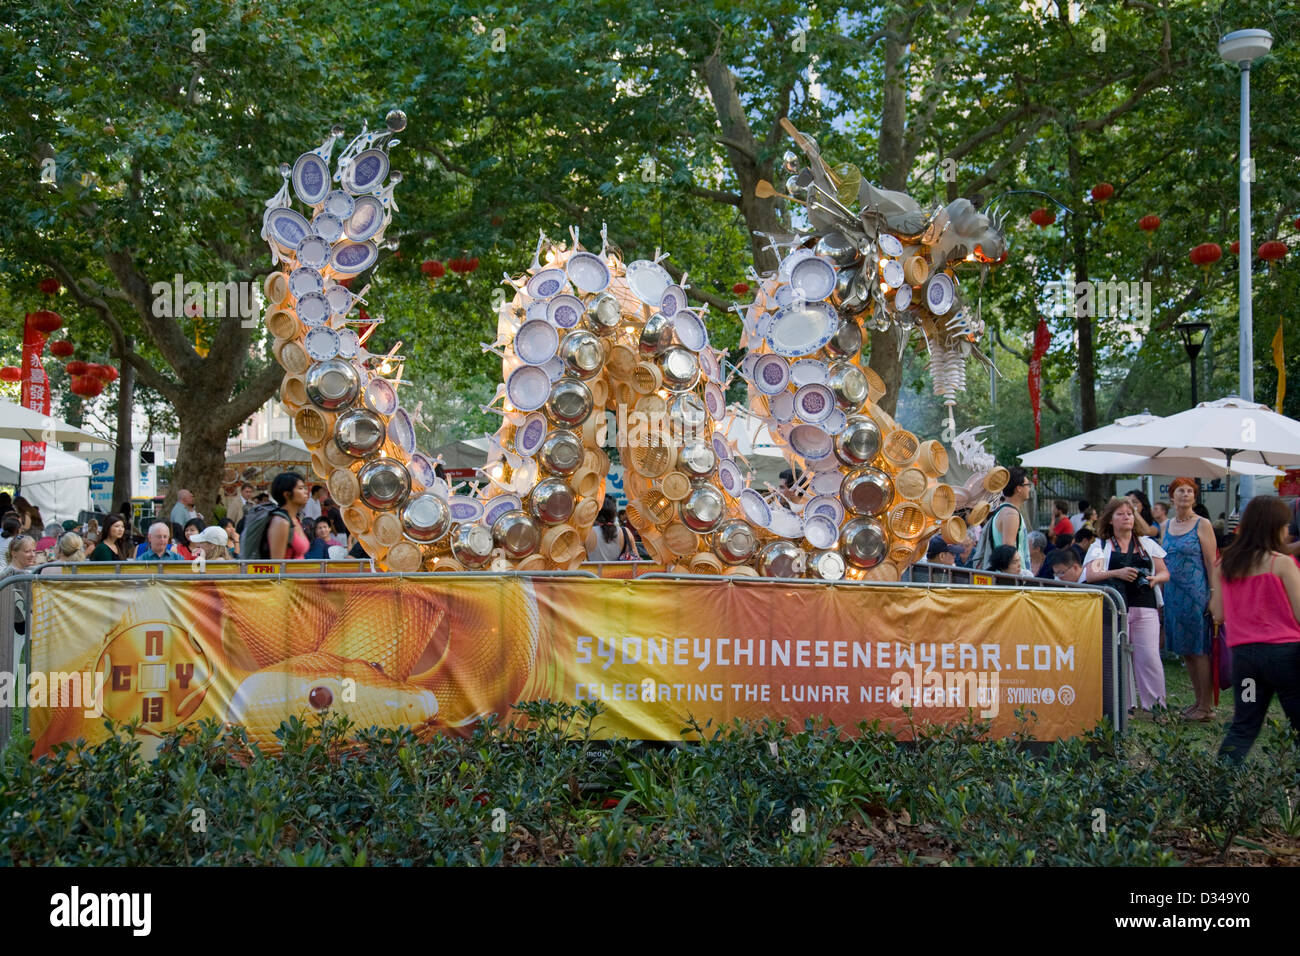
1193	335
1243	46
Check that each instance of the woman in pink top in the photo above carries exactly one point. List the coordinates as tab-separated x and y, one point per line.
285	538
1257	598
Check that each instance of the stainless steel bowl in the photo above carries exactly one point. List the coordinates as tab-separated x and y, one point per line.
552	501
862	542
681	369
517	534
333	384
656	336
603	315
359	433
866	490
561	452
570	403
858	442
697	459
849	383
826	565
781	559
858	298
734	541
425	519
847	341
838	249
688	415
703	509
471	545
385	483
582	354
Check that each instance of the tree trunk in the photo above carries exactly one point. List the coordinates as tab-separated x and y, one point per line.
124	459
1086	357
200	457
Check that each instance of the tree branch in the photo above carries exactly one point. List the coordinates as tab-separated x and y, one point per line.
716	195
255	394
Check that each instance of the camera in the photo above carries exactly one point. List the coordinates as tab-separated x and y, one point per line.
1142	577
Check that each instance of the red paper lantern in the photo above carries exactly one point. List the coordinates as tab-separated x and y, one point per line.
50	286
86	386
1206	254
1235	248
11	373
110	374
1272	250
1149	223
740	288
456	265
1297	222
1042	217
433	268
46	322
471	264
100	372
62	348
1102	191
77	368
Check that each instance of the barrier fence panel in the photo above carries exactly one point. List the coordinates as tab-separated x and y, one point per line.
439	651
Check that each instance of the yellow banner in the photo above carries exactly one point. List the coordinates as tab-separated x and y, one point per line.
439	653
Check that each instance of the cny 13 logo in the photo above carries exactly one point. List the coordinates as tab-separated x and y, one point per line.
154	673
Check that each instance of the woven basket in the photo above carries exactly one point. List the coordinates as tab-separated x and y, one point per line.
939	501
932	458
996	480
344	488
900	447
910	483
907	521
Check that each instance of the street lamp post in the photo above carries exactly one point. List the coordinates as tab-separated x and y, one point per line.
1242	47
1193	334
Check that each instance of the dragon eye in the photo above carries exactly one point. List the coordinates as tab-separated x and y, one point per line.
320	698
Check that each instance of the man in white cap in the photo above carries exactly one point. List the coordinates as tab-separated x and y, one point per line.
213	542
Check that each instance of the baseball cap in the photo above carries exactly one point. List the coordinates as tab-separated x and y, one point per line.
211	535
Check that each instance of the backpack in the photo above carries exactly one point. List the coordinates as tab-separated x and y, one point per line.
629	547
982	557
253	543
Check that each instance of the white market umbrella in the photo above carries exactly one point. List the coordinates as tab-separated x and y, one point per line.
23	424
1069	454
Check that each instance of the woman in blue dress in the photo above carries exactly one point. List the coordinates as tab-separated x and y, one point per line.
1188	540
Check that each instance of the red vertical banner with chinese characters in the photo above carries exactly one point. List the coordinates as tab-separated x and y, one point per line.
1042	338
36	392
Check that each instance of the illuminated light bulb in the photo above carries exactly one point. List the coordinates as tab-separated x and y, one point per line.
385	368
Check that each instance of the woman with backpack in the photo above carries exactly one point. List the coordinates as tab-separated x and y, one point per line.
285	539
1006	525
608	540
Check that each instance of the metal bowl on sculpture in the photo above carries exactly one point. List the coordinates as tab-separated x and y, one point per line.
313	251
425	519
464	508
697	459
359	433
849	384
826	565
582	355
348	343
333	384
656	335
303	281
402	430
338	203
802	328
530	435
352	258
385	483
703	509
588	272
686	410
891	273
311	178
827	506
858	442
366	172
366	219
889	245
814	404
820	531
536	342
562	452
321	343
313	308
547	283
785	524
846	343
569	402
781	559
903	297
471	545
771	374
862	542
528	387
808	372
690	329
564	311
552	501
859	296
496	507
328	227
734	542
380	397
866	490
680	368
838	249
809	441
603	314
940	293
516	533
648	281
755	507
844	280
672	301
286	228
812	279
422	471
715	400
781	407
729	477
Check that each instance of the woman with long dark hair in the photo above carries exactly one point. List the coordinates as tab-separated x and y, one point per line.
608	540
285	537
1257	598
113	543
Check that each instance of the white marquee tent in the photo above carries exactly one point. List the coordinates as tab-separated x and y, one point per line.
61	489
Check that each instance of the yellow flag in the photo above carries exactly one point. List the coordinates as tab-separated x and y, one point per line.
1281	369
